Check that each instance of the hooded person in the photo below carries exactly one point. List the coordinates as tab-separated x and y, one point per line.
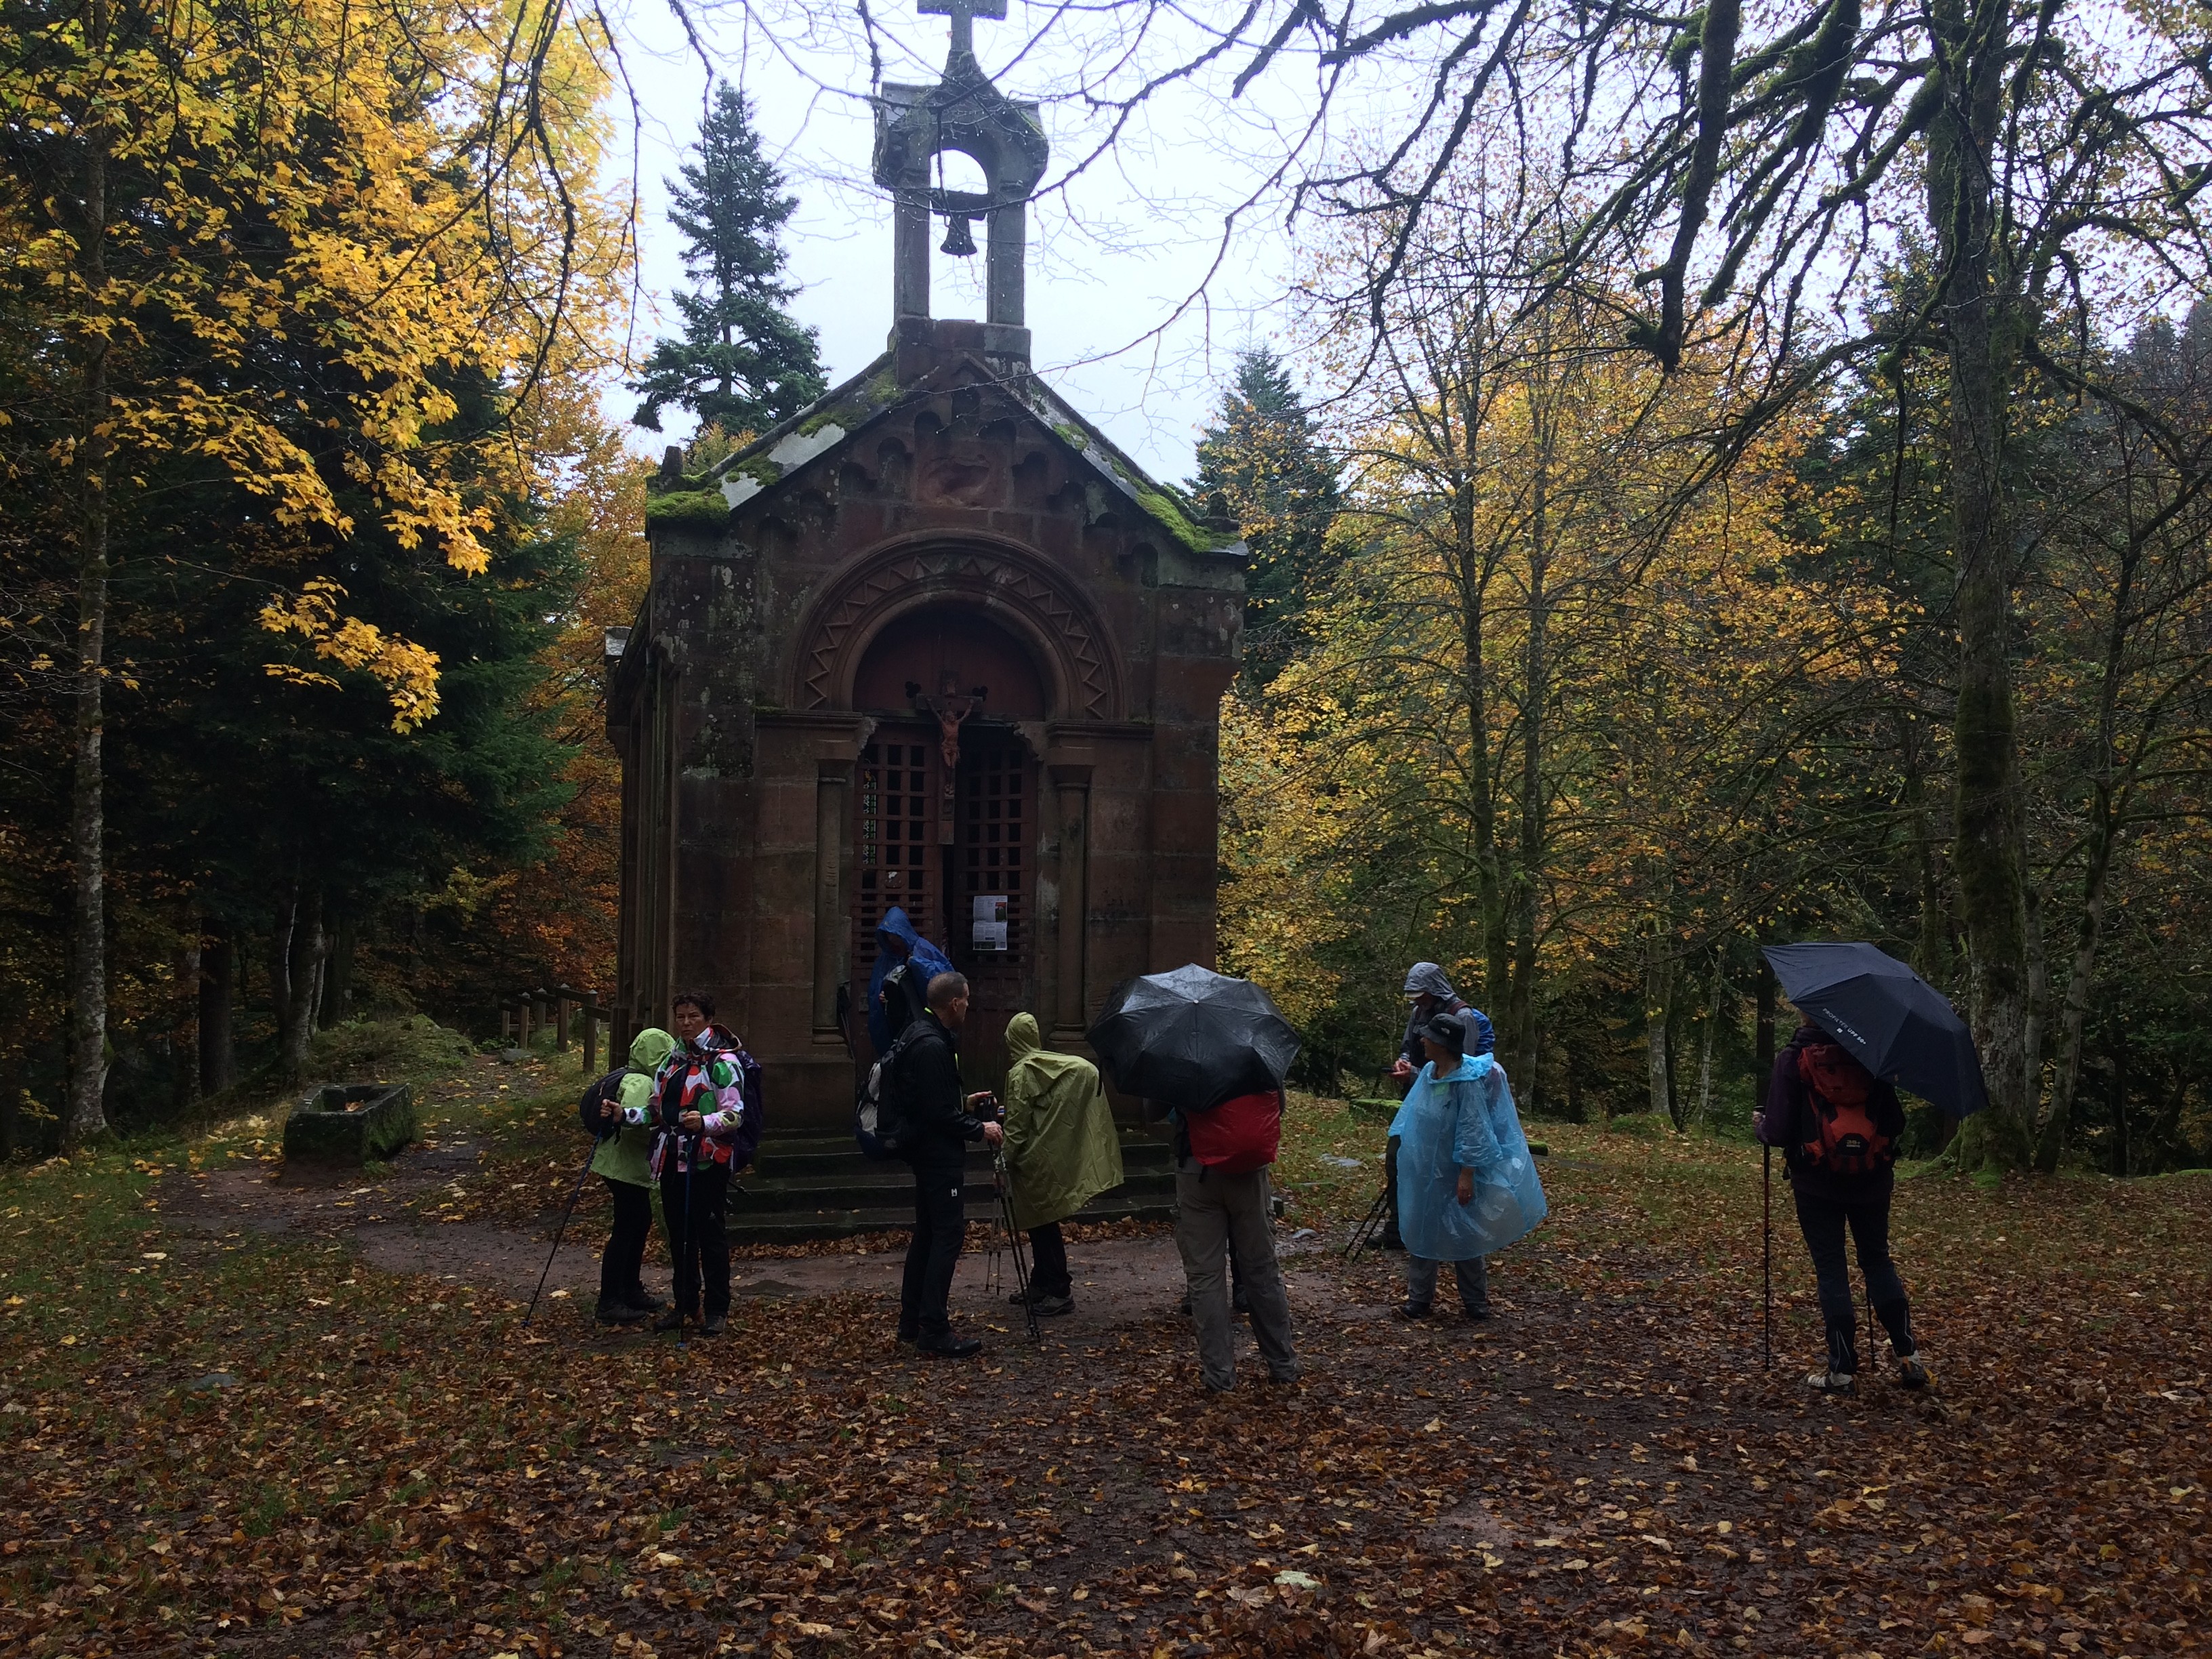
1062	1151
898	989
1430	993
706	1120
1467	1183
1838	1126
623	1120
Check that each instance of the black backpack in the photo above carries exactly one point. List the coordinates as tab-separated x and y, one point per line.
595	1094
878	1113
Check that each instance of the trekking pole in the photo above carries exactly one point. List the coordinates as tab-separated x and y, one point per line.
1368	1224
1766	1253
582	1176
690	1241
1014	1247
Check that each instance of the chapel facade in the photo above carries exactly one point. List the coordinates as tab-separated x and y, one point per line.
935	642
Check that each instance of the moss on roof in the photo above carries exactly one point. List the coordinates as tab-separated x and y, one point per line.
696	507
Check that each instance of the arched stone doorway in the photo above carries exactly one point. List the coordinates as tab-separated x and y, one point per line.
946	809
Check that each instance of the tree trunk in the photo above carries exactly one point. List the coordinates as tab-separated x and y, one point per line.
84	1115
2074	1012
1713	994
11	1104
295	960
1932	949
1535	694
218	1061
337	974
1762	1039
2117	1092
1991	846
1658	1014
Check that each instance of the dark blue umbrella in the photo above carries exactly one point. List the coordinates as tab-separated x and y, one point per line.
1192	1038
1900	1027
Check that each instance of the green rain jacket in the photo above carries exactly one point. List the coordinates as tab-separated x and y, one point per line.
1062	1150
622	1156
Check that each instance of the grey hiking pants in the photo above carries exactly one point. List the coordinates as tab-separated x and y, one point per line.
1210	1211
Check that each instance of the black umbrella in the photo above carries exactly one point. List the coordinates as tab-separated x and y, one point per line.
1192	1038
1900	1027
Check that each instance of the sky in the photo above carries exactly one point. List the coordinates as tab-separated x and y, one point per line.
1116	255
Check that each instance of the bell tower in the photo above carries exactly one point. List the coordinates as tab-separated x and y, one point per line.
965	113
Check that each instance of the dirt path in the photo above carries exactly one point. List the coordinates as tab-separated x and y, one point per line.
392	1225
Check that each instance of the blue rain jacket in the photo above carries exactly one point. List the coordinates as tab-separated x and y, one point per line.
928	961
1463	1120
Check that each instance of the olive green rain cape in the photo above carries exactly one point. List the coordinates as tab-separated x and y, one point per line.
1062	1150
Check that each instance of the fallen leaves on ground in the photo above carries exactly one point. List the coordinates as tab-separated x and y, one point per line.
256	1446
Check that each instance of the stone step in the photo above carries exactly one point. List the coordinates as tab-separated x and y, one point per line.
881	1186
798	1157
749	1226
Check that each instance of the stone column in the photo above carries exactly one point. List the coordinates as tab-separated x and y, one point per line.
910	252
833	787
1004	297
1071	788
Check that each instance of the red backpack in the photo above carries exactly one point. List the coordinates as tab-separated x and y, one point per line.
1838	1093
1238	1136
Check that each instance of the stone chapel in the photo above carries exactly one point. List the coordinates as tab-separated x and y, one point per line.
935	642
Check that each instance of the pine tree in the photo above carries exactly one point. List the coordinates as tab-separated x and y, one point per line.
1280	484
741	361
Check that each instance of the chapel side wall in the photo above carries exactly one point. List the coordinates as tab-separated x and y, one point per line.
1197	635
703	620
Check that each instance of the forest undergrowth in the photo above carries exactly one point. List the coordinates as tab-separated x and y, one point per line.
258	1445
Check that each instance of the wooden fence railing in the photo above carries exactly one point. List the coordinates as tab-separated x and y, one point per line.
530	1012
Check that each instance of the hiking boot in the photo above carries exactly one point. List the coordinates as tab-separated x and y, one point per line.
646	1299
671	1320
1475	1315
1409	1310
907	1339
715	1325
949	1346
620	1313
1832	1382
1052	1307
1911	1373
1033	1294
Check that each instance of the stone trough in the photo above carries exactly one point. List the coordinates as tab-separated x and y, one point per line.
351	1123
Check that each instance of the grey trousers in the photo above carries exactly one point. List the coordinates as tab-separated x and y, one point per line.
1209	1212
1474	1282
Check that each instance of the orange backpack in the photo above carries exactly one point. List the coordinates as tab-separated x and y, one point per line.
1837	1091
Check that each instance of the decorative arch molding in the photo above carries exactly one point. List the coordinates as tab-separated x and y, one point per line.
1002	580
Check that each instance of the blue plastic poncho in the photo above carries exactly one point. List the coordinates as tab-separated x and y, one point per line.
1463	1120
928	963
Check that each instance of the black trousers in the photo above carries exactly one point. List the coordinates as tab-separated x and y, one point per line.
1049	1273
619	1283
940	1226
1823	1220
698	1239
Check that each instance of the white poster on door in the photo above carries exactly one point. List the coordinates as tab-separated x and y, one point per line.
990	923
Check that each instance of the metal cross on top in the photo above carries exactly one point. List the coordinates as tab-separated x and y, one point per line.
962	12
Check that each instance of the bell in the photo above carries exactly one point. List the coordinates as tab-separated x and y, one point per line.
956	239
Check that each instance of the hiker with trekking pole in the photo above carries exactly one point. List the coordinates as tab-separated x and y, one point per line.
617	1110
1428	994
1467	1181
1867	1023
1061	1151
706	1110
936	1120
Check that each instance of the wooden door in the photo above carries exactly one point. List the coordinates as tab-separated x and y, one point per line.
994	841
897	843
